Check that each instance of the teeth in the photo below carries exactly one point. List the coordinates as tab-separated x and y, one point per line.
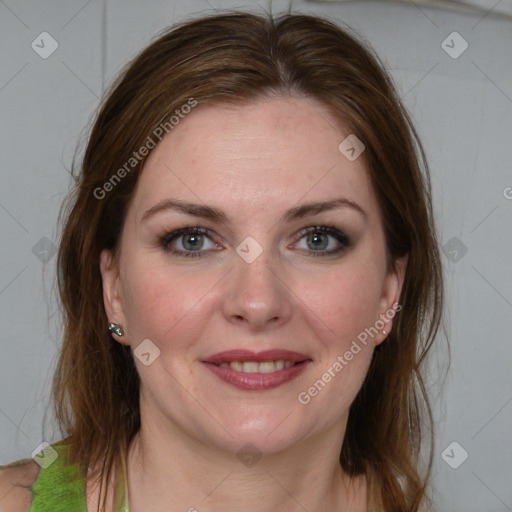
255	367
279	365
266	367
236	366
250	367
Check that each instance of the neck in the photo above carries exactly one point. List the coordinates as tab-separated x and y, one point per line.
170	470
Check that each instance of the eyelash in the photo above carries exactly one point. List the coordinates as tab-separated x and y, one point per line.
341	237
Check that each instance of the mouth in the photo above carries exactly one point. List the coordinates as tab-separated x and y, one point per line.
249	370
256	367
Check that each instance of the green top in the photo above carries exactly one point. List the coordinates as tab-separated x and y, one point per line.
59	487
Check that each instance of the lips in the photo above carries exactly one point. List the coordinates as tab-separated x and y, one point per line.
257	371
242	356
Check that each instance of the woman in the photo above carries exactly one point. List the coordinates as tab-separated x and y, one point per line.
250	281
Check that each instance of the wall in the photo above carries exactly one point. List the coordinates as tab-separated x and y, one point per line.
462	105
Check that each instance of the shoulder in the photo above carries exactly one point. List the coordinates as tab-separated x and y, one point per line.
15	482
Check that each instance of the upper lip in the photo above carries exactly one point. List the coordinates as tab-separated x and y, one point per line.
228	356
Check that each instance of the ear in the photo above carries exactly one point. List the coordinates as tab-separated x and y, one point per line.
112	293
390	298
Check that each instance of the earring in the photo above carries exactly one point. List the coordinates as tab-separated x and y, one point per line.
115	329
384	332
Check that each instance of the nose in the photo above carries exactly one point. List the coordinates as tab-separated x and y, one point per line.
257	296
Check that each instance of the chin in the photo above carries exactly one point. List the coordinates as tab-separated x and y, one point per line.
265	436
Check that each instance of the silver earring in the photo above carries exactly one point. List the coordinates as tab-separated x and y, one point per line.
384	332
115	329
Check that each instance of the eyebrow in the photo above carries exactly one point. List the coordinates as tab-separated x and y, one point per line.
214	214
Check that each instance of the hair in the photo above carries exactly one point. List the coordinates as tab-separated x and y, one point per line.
236	58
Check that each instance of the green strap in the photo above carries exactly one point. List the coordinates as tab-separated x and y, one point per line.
59	487
121	504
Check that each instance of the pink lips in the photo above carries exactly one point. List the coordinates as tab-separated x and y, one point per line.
229	356
256	381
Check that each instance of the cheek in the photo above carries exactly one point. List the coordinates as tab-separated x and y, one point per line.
343	303
341	316
330	391
162	304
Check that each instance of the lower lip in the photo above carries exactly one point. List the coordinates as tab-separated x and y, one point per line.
257	381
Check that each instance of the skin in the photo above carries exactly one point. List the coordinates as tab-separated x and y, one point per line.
254	162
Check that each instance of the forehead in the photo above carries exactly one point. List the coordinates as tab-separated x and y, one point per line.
269	154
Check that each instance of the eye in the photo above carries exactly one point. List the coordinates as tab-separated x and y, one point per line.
194	241
317	240
188	241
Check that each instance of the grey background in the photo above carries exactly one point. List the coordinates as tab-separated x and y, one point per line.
462	108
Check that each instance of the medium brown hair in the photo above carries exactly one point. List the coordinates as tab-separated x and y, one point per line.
237	58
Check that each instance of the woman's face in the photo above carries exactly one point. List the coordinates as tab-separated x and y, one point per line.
263	274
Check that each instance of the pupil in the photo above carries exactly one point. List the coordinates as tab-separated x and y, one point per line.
193	244
316	237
